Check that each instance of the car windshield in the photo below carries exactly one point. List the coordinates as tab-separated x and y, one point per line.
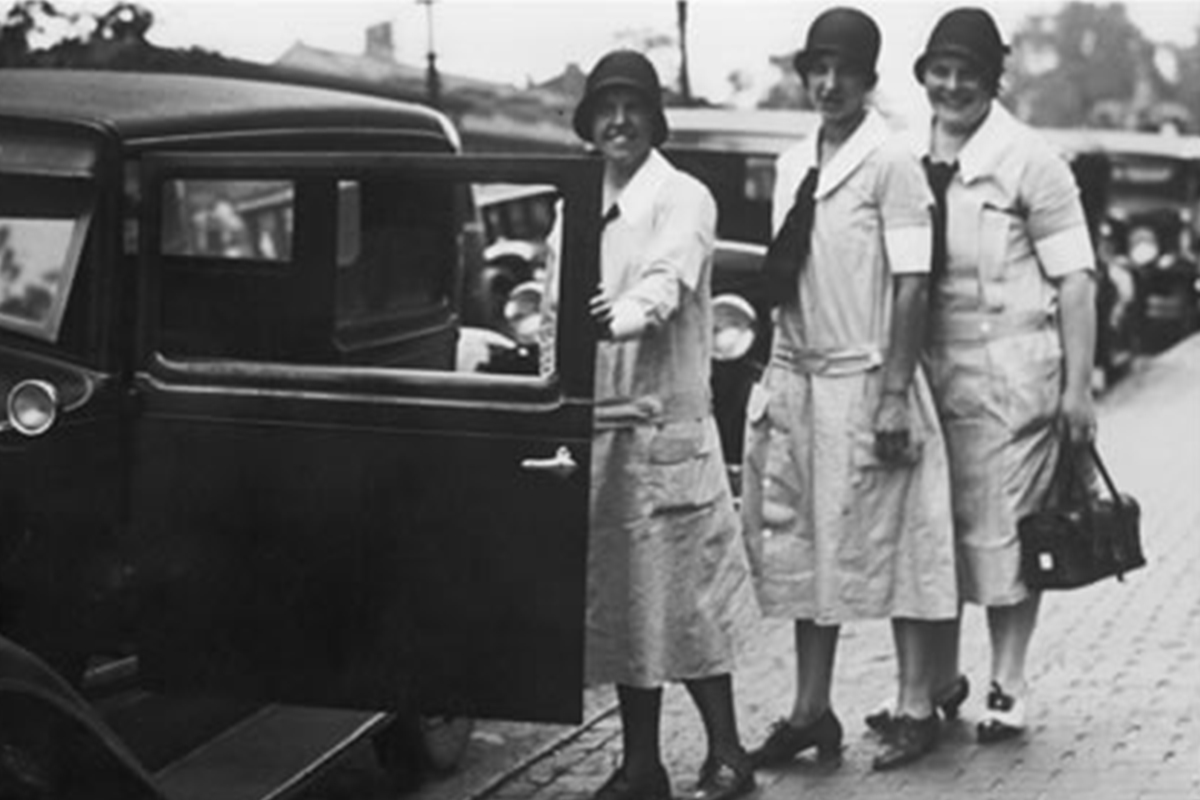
1143	183
43	224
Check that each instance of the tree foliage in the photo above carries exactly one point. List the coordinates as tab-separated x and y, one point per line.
112	39
1089	64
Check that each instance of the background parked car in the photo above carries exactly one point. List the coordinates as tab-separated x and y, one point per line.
1150	223
733	152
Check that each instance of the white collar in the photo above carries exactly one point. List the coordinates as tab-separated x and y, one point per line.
637	198
983	151
866	138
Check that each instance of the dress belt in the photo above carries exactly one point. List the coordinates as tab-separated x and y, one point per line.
827	361
978	326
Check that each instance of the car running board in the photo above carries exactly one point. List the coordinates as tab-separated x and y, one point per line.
269	755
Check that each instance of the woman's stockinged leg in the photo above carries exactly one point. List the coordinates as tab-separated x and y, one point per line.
915	655
641	711
816	646
944	638
1011	629
713	697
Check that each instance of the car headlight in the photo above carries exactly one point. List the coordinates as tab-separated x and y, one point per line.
33	406
734	323
523	312
1143	246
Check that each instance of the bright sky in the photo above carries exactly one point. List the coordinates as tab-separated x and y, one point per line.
534	39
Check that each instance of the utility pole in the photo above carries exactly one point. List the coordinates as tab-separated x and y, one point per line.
685	80
433	84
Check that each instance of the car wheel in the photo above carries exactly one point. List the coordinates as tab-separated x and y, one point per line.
412	747
445	740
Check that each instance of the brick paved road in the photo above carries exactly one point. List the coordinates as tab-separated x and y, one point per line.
1115	667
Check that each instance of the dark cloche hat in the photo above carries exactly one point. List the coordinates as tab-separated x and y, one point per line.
970	33
845	32
627	69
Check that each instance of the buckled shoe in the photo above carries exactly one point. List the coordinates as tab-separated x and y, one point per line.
1003	719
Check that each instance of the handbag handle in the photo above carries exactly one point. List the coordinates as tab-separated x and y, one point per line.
1067	476
1067	464
1108	481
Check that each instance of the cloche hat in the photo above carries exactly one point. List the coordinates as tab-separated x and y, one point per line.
970	33
627	69
844	32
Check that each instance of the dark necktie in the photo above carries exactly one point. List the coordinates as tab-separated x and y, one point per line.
939	174
789	249
613	212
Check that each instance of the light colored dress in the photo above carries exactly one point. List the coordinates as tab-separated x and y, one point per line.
835	534
1014	225
669	590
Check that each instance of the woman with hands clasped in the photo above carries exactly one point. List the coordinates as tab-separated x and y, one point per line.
846	486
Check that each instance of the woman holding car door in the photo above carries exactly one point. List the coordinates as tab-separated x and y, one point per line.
846	487
669	591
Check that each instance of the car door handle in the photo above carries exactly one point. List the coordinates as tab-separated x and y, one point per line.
562	463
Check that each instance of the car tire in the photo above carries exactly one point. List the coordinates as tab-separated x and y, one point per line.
413	747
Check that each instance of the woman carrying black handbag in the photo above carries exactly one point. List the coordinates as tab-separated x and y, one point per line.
1012	338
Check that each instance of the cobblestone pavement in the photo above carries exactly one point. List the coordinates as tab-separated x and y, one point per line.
1115	667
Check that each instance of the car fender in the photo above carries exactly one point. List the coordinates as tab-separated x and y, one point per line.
53	725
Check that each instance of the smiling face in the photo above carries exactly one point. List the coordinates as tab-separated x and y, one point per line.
959	92
837	90
623	129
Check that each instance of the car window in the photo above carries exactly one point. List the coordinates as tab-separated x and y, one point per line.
1141	183
356	271
43	225
396	240
742	185
229	219
516	212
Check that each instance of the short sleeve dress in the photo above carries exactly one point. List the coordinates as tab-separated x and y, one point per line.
835	534
1015	225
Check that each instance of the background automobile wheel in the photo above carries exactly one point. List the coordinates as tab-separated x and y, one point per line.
445	741
412	747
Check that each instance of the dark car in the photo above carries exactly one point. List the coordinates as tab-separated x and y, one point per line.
733	153
1150	223
255	449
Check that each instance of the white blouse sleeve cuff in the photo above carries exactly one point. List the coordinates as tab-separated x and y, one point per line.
909	250
1065	251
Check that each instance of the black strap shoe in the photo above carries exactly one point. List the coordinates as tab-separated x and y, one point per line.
620	787
908	740
948	701
722	781
786	741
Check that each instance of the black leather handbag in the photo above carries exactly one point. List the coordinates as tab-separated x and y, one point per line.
1080	538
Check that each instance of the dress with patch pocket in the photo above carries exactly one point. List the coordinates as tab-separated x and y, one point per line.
834	533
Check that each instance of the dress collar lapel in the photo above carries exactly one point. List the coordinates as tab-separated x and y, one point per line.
871	133
637	198
983	151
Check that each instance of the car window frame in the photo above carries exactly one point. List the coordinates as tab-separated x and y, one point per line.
577	177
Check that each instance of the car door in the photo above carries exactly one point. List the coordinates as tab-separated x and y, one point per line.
331	505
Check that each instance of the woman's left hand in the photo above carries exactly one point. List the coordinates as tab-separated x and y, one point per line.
891	428
1077	417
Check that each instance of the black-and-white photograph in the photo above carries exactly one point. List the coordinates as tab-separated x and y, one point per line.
584	400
